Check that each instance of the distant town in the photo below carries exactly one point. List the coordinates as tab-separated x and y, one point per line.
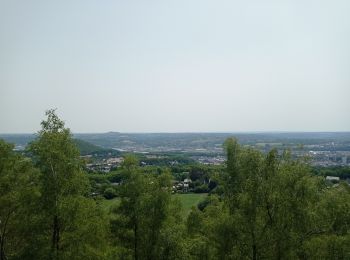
103	152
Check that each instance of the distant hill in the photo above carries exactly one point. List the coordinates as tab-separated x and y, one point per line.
88	148
193	141
21	141
18	139
112	142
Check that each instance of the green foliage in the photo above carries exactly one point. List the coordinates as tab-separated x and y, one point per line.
201	189
109	193
140	221
180	176
329	238
18	197
189	200
342	172
260	206
272	207
86	147
68	219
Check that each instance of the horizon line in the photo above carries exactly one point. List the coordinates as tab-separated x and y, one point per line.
194	132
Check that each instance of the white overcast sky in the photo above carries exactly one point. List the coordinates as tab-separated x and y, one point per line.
170	66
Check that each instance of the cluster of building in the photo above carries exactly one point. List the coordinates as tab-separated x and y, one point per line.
181	186
330	158
209	160
317	158
106	165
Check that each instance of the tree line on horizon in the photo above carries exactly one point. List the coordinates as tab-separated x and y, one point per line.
269	206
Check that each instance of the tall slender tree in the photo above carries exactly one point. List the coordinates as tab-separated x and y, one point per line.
68	215
145	215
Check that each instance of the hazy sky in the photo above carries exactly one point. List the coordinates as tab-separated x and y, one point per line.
168	66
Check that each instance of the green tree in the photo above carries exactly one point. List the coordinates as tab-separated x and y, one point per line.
142	219
109	193
18	195
329	236
68	218
232	180
268	209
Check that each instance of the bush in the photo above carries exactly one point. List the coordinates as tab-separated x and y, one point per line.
109	193
203	204
201	189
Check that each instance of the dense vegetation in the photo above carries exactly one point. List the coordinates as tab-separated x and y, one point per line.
339	171
263	206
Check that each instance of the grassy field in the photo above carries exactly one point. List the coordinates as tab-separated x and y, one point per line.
107	204
187	200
